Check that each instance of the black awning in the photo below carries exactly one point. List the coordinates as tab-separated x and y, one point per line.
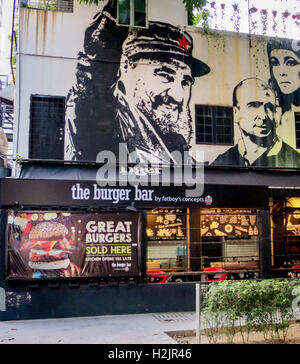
59	172
5	172
237	177
283	179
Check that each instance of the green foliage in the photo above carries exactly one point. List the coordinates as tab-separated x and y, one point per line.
13	40
203	15
241	307
190	5
19	159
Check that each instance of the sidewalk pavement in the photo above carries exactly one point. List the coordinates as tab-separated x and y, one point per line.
149	328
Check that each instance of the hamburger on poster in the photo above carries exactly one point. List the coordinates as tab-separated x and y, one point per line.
49	246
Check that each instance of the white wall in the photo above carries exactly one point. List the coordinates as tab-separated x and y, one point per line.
6	7
168	11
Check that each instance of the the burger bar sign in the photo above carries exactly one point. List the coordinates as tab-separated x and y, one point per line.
62	244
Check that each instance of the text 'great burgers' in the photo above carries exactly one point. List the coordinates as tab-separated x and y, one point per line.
109	232
49	246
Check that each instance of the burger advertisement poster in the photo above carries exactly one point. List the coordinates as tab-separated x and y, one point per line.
63	244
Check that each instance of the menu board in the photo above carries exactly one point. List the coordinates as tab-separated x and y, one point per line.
166	224
293	223
224	222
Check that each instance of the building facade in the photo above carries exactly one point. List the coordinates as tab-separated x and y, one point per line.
152	156
6	83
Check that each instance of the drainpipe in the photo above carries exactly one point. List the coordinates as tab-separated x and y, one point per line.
249	32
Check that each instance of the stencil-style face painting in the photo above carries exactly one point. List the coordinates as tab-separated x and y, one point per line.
286	70
153	90
158	94
133	87
257	115
256	109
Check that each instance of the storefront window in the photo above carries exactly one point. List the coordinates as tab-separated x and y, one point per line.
285	226
198	240
228	240
166	234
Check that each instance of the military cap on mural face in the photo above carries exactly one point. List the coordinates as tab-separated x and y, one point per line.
163	42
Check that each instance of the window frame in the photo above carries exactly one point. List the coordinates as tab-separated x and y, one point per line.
132	25
214	125
39	98
297	122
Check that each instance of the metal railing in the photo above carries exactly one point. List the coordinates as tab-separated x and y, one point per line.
54	5
7	120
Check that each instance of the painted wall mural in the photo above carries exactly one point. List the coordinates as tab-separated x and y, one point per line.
152	118
257	116
284	60
134	86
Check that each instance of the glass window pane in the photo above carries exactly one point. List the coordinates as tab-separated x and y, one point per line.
220	139
200	138
219	130
208	129
297	125
124	12
228	139
140	13
201	129
208	138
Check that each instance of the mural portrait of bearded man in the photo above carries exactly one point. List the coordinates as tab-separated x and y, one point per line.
133	86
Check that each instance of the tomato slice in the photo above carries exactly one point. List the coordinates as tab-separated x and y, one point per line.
46	245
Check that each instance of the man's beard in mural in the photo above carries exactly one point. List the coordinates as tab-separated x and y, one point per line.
156	126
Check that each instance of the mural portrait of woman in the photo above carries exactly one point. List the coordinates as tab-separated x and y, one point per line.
284	59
